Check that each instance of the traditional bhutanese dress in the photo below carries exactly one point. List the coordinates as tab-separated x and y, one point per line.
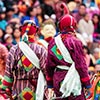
55	76
95	89
20	74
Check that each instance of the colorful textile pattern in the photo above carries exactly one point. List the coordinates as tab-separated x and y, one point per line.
97	91
57	52
16	54
26	63
1	79
7	82
27	94
75	49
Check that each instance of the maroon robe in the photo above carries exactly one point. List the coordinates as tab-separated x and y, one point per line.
55	76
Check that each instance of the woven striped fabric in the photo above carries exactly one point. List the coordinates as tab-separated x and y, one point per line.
22	69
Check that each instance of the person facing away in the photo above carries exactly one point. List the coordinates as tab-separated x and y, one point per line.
24	62
67	72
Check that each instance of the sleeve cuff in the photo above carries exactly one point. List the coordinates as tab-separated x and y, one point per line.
49	86
87	87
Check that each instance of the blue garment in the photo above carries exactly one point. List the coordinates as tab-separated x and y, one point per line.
28	18
3	24
14	41
92	4
15	16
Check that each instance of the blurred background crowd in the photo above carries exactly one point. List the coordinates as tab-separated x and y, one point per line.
86	12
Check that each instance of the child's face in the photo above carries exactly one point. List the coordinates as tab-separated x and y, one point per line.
82	10
9	40
97	69
17	33
9	30
87	17
2	16
39	10
33	12
48	31
95	19
96	55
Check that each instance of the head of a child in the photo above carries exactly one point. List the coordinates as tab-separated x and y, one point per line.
17	33
8	38
48	29
86	17
2	15
9	29
82	9
95	19
32	11
97	67
10	12
96	53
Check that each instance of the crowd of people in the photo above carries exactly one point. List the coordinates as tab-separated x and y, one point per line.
45	17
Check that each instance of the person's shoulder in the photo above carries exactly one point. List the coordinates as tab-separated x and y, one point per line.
90	21
81	20
13	49
36	46
72	39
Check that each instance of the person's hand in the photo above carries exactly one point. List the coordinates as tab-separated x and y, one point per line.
87	91
50	93
88	94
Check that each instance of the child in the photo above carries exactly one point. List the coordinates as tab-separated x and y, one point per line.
48	30
9	29
8	41
16	36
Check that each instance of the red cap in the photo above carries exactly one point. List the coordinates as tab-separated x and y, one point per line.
29	29
64	8
67	23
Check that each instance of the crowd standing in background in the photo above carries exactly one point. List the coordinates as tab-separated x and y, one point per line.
46	15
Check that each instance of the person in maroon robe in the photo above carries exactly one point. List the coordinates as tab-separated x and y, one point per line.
55	76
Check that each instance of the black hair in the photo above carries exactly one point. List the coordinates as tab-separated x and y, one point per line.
85	47
98	16
2	38
98	24
30	9
82	4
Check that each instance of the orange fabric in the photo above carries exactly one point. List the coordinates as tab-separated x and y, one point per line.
94	85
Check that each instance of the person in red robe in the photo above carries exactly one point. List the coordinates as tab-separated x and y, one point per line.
55	76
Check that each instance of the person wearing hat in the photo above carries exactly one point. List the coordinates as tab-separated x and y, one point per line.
67	72
25	66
